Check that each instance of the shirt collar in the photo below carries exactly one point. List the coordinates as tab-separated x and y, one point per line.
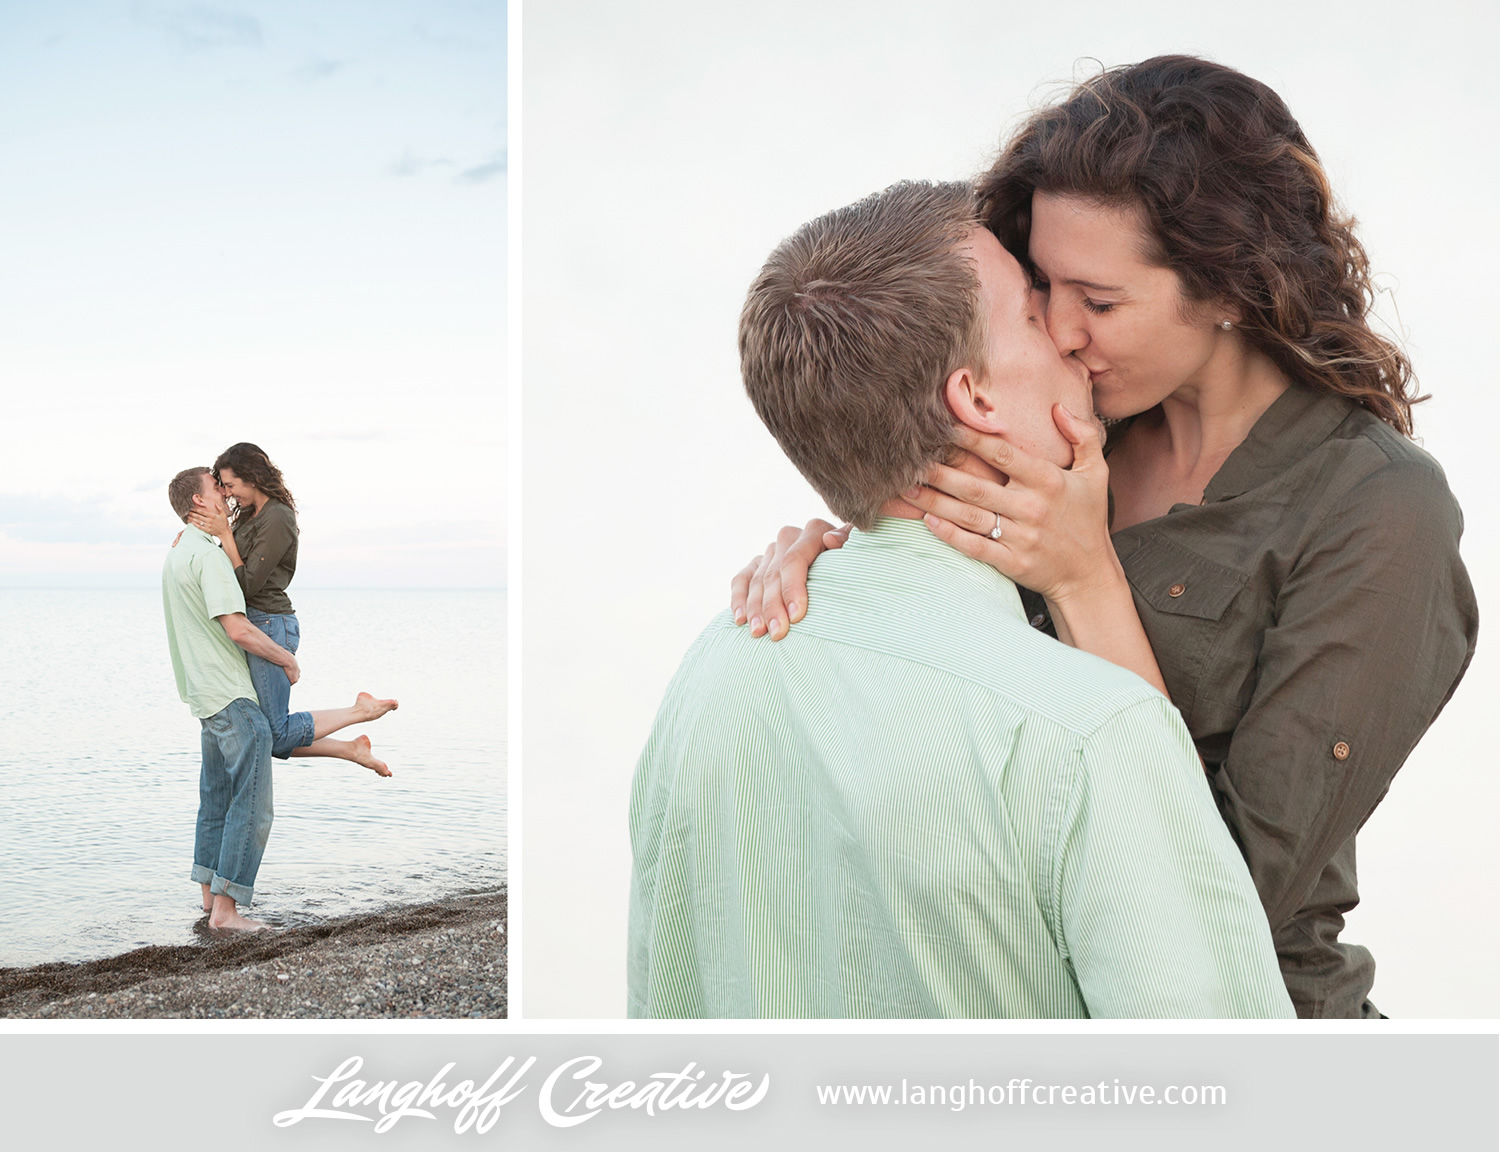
908	551
1296	422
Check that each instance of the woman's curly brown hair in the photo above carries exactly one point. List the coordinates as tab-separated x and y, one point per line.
1236	204
254	467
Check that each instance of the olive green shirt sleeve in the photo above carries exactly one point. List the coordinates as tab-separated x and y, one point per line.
1373	628
1311	616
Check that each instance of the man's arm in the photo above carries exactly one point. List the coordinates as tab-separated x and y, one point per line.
1154	904
257	643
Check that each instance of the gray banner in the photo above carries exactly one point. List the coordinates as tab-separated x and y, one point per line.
231	1091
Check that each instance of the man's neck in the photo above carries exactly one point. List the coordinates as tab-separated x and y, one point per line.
899	508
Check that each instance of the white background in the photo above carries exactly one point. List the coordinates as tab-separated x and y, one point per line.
669	146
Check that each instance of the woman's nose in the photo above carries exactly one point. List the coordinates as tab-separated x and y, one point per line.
1065	326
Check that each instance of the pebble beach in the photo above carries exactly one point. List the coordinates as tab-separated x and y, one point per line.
441	960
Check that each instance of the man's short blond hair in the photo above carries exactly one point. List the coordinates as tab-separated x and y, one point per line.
850	332
184	486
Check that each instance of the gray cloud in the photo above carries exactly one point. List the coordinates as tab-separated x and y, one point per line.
481	173
199	28
447	41
319	68
61	520
410	164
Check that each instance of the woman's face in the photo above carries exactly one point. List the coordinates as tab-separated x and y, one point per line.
231	485
1124	318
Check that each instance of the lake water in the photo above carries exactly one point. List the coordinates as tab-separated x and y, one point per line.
99	767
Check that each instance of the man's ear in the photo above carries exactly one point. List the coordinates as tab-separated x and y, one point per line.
969	401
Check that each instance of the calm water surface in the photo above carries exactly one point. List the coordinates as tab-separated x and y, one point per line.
99	767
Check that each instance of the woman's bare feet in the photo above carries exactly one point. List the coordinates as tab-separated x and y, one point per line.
226	917
360	753
371	708
356	750
325	723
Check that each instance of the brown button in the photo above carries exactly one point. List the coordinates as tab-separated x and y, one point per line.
1341	751
1176	590
1038	620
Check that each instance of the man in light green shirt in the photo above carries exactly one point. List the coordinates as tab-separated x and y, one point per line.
208	635
916	805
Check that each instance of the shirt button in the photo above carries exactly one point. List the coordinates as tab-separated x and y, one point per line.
1038	620
1176	590
1341	751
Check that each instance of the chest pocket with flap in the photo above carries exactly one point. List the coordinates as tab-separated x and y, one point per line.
1182	598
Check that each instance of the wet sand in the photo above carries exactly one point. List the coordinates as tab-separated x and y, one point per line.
439	960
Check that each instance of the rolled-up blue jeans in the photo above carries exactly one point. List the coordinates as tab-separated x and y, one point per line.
234	800
288	731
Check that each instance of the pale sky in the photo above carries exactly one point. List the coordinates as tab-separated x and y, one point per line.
271	221
668	147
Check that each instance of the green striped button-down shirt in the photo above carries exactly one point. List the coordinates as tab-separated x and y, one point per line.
916	806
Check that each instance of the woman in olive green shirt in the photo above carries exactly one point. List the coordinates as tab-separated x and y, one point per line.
260	539
1266	544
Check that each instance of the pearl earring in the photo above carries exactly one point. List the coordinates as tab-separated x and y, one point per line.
1226	325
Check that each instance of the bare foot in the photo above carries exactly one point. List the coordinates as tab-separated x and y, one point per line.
226	918
372	708
362	754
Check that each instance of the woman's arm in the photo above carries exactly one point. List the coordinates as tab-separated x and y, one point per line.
1105	623
216	523
1372	630
275	538
1054	537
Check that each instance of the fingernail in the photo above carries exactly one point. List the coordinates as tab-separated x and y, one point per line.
756	627
930	520
791	610
774	627
911	492
739	615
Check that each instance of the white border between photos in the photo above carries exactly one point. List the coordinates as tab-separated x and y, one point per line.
515	593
